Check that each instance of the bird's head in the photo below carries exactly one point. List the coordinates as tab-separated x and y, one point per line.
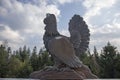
51	25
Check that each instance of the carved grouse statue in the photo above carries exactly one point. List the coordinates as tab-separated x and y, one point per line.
66	50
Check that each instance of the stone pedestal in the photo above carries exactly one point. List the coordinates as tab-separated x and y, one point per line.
56	75
72	74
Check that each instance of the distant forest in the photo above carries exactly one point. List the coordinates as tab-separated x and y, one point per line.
22	62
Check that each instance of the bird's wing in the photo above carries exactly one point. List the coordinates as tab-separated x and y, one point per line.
62	48
79	34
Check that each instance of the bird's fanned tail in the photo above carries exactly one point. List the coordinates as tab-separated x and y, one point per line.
79	34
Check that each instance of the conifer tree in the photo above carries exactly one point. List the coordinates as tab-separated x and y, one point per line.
34	59
3	61
14	65
107	61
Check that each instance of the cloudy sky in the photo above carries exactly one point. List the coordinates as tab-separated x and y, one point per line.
21	21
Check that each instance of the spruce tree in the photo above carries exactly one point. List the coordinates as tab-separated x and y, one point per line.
107	61
4	56
34	59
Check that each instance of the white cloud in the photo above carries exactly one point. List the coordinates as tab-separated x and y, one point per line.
98	3
27	16
10	35
1	42
65	32
103	18
24	20
66	1
7	33
94	6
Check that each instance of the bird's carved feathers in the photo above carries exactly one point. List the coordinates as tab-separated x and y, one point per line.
79	34
66	49
62	48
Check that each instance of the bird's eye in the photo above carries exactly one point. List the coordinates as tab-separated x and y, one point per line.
48	15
